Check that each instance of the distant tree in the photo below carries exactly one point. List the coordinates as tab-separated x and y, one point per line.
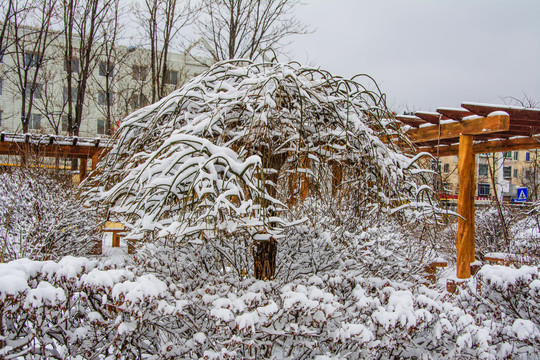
111	60
161	22
30	36
84	26
8	10
246	28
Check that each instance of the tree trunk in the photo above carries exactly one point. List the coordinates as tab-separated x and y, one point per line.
264	259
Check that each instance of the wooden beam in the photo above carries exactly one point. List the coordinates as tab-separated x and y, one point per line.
410	120
478	126
513	111
525	143
68	151
456	114
431	117
465	208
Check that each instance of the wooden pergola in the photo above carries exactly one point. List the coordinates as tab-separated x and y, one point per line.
472	129
71	147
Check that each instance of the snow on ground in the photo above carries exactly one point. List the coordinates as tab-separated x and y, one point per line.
117	306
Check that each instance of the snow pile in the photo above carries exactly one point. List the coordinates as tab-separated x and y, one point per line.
126	312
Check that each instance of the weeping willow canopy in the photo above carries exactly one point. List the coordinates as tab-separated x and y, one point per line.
239	146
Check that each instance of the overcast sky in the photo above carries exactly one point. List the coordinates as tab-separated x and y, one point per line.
427	54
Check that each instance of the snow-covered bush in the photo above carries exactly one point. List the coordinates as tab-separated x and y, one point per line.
40	217
78	308
219	159
489	235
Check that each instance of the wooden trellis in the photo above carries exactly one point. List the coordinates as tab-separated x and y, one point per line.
472	129
55	147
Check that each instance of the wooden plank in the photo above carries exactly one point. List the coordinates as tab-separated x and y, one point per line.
485	125
410	120
430	117
525	143
456	114
513	111
465	208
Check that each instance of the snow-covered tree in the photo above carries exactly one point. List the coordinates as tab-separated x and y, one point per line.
224	154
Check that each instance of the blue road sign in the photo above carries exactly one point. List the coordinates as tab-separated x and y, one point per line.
522	194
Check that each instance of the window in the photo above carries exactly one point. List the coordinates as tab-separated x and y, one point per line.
32	59
527	156
483	189
36	88
34	122
528	174
446	168
171	77
138	100
73	94
516	155
106	69
515	173
508	155
103	97
507	172
101	127
74	65
139	72
485	155
483	170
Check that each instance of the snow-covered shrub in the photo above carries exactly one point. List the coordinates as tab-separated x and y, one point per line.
78	308
222	156
526	239
40	217
489	235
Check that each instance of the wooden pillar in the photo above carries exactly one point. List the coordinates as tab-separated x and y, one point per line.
82	169
95	159
337	177
465	234
304	185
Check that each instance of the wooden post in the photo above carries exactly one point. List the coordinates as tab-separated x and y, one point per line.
465	234
82	169
95	159
337	177
304	184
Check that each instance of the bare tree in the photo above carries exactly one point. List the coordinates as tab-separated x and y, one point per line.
111	61
161	22
246	28
30	33
84	23
8	9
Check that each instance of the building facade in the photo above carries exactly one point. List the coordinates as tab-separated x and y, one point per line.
117	85
510	170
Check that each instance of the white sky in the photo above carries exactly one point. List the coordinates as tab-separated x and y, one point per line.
427	53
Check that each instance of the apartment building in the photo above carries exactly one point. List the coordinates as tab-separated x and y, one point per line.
117	86
511	170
